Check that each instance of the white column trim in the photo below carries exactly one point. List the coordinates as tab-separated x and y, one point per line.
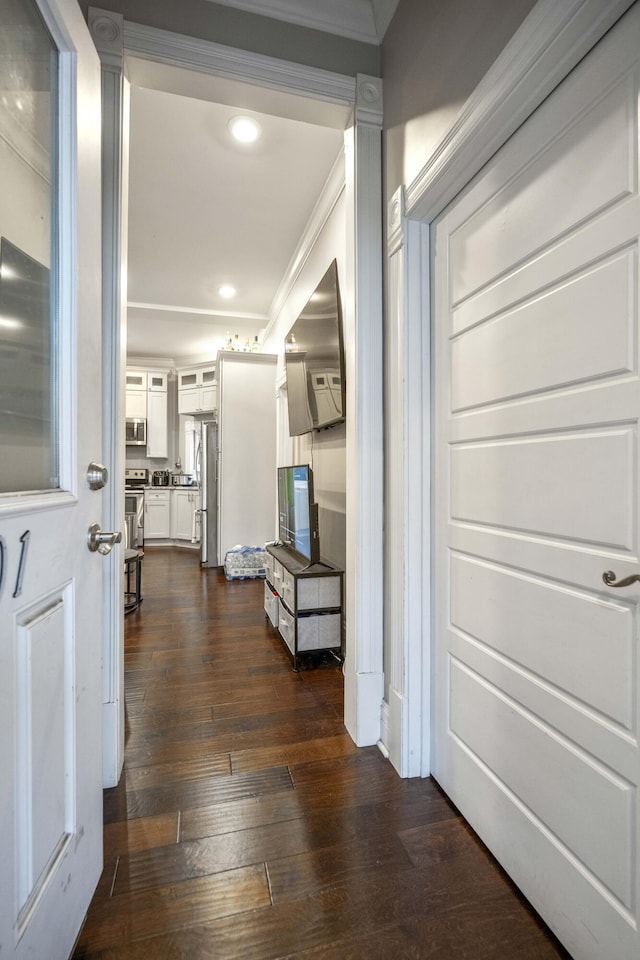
407	515
551	41
364	676
107	32
163	46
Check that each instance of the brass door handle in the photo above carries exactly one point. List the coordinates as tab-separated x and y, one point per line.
609	578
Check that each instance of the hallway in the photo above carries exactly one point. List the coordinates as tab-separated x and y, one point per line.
247	825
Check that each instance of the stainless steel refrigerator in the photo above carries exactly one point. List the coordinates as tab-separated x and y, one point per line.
208	473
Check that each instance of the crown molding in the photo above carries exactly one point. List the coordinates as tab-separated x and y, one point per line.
354	20
198	311
331	193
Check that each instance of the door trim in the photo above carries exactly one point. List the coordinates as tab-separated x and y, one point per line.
340	97
178	50
555	36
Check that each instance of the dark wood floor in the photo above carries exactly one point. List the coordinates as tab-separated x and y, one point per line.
247	826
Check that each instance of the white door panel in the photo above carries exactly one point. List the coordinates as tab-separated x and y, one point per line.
594	499
554	339
50	584
537	494
521	619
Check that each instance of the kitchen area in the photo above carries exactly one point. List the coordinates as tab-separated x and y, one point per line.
168	479
179	488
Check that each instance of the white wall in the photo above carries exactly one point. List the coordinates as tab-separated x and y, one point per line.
325	450
434	54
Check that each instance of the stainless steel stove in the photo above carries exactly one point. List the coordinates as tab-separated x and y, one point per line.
135	480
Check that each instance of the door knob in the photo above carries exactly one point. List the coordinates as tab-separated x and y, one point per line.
609	578
101	540
97	475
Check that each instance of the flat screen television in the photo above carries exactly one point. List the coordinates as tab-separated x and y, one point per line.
314	360
297	513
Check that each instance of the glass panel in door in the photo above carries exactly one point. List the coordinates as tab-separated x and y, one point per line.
29	425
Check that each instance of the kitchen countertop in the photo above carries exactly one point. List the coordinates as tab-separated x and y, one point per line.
151	486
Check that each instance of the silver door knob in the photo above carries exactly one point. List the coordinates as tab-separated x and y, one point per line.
101	540
97	475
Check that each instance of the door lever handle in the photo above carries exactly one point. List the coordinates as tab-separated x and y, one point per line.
609	578
101	540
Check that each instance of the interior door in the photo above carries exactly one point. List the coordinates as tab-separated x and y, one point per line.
50	414
537	495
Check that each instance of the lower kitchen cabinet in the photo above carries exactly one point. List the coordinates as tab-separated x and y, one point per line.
184	521
157	519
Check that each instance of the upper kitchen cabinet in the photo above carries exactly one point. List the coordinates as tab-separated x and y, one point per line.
157	414
197	389
136	395
146	399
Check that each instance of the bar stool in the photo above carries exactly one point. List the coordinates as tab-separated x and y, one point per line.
132	567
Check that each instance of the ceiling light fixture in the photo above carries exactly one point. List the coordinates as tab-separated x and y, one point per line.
227	291
245	129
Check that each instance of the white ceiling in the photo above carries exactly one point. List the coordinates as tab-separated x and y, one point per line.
204	210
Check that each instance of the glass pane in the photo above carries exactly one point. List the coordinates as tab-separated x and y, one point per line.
28	337
208	376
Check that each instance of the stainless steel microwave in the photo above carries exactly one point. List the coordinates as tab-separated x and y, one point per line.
136	432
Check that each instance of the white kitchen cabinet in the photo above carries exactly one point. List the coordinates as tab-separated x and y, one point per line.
184	504
246	449
136	394
157	417
197	390
157	515
157	381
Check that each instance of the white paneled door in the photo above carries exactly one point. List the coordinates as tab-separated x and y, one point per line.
50	415
537	494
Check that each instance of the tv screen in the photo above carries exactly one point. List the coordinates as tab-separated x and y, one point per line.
314	360
297	512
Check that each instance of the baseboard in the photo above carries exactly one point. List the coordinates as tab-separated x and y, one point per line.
112	744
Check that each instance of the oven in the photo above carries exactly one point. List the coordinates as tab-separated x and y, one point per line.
134	518
134	484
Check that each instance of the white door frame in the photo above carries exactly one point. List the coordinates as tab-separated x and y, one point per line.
555	36
115	39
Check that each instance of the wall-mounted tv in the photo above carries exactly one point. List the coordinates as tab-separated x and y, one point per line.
297	513
314	360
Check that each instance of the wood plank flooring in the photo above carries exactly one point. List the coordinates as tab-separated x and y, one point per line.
247	825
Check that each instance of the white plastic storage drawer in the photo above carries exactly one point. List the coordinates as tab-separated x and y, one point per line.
271	604
288	591
268	567
286	626
277	572
315	593
319	631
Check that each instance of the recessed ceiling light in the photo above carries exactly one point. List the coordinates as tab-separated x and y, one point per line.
10	323
227	291
245	129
